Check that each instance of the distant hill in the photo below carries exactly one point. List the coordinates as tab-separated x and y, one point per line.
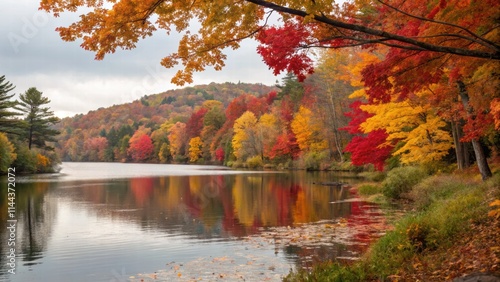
150	111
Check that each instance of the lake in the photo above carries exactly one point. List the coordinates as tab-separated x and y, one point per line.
149	222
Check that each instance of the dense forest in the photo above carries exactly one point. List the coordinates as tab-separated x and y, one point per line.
326	121
144	130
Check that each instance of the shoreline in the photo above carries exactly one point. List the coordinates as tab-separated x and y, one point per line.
439	238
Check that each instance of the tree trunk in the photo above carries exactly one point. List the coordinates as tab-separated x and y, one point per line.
481	161
461	151
337	142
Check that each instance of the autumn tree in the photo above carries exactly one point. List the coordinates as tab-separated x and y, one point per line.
7	153
371	148
178	139
415	124
223	24
307	130
38	118
95	148
194	125
285	147
267	131
141	147
466	85
160	138
195	149
332	83
243	141
164	153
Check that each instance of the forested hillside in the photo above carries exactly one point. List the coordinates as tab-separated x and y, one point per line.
104	134
325	121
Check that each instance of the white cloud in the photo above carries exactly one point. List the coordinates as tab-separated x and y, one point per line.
33	55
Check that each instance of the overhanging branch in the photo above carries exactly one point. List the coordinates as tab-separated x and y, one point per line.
381	34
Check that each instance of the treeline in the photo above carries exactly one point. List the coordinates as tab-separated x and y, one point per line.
292	124
328	121
26	131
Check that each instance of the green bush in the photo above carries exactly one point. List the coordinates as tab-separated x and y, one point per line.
435	188
439	167
26	161
400	180
313	160
368	189
376	176
255	162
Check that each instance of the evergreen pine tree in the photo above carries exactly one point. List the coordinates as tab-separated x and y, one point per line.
7	122
38	119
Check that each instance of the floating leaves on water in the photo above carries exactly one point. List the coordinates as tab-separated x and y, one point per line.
250	259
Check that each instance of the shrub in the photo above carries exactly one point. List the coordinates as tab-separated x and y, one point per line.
312	160
254	162
7	155
418	233
400	180
376	176
236	164
26	160
438	167
435	188
46	162
368	189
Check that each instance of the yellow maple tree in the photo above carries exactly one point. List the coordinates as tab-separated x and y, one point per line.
307	130
244	128
417	126
195	149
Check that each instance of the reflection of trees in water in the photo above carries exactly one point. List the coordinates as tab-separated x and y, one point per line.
212	206
35	214
216	205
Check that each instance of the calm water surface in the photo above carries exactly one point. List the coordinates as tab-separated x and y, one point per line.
111	221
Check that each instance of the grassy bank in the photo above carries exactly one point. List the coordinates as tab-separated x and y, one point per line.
446	232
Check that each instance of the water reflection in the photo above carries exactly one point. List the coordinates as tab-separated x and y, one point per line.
35	214
239	203
85	229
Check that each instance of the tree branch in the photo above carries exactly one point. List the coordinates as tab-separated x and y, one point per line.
380	33
489	44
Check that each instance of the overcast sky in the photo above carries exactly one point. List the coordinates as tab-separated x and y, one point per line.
33	55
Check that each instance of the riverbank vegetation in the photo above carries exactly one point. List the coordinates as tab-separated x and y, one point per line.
450	228
26	131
